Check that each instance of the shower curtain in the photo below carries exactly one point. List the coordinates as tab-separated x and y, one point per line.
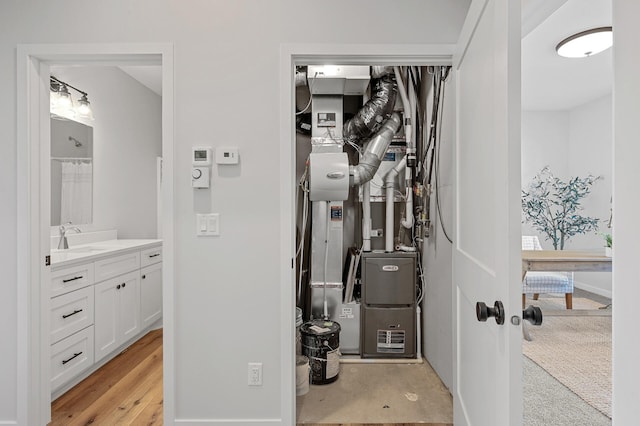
76	197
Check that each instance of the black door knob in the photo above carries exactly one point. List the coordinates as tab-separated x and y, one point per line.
533	314
483	312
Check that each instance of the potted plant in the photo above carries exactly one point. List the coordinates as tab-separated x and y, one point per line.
608	244
552	206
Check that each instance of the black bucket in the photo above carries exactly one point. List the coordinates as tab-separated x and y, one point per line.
321	344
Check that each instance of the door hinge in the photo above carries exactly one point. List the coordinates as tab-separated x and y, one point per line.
292	263
47	260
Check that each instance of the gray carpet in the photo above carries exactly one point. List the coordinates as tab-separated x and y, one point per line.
549	403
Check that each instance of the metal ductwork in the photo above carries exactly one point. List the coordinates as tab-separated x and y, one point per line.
375	112
381	70
376	149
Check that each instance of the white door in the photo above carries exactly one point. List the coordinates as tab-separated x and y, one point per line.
486	261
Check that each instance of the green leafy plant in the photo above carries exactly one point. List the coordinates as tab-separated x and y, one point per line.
552	206
608	239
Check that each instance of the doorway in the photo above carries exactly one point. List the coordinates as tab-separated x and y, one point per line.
567	127
343	56
34	63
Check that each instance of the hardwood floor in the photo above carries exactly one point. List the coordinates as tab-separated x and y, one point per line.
125	391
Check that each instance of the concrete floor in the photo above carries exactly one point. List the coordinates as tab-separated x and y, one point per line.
378	393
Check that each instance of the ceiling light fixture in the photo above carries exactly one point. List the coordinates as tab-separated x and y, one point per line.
62	104
586	43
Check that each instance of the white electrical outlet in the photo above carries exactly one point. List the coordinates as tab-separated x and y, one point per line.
255	374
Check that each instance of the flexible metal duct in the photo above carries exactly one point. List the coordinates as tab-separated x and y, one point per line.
373	114
381	70
370	161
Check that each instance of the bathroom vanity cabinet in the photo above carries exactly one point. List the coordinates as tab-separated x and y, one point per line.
103	298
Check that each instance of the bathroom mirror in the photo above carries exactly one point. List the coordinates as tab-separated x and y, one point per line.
71	172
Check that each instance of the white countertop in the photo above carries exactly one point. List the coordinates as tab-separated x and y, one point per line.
97	250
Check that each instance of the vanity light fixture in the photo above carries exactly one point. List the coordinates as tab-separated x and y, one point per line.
62	104
586	43
64	97
84	108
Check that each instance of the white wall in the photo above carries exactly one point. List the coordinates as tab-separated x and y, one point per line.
438	304
590	151
545	136
572	143
626	204
226	93
126	141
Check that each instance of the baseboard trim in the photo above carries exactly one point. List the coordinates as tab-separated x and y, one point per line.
592	289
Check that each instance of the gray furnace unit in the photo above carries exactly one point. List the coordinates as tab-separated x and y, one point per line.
388	326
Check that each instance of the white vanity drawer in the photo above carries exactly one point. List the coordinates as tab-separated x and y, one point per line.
70	313
117	265
72	278
150	256
71	356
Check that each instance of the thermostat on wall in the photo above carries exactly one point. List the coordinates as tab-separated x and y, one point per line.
201	156
227	155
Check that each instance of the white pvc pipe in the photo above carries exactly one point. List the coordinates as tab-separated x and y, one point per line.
407	222
389	181
407	110
325	206
366	216
388	231
413	100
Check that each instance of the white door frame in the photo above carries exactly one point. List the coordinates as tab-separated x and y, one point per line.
33	230
335	54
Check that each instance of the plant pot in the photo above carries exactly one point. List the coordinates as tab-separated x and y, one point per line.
608	251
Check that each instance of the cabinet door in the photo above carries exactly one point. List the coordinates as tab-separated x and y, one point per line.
117	312
106	318
150	294
129	307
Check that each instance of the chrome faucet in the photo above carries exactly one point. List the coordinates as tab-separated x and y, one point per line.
63	244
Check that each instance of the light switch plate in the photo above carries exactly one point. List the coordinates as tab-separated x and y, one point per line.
208	225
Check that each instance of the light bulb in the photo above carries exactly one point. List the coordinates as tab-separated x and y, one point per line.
64	97
84	108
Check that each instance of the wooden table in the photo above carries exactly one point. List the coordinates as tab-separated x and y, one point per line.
563	261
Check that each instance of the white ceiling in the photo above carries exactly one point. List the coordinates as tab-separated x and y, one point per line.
551	82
